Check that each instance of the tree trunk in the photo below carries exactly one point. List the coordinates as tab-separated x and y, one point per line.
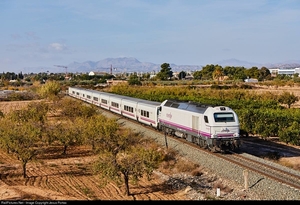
24	169
126	179
65	149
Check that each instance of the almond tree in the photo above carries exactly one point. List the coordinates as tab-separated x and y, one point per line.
126	156
68	132
95	129
21	132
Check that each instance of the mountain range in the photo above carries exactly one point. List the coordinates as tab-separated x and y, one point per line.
130	64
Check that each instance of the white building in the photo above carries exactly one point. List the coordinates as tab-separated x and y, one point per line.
251	80
286	71
92	73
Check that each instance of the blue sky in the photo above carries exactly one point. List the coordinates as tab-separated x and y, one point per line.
43	33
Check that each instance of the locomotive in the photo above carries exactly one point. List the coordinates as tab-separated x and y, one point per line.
214	128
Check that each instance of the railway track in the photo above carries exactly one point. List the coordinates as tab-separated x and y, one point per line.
283	176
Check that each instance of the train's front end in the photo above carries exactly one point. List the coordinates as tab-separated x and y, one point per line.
224	128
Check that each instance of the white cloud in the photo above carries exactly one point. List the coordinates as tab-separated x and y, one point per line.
57	46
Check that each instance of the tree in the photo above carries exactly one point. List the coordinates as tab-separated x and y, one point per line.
165	72
21	132
235	73
290	134
69	132
197	75
218	73
264	74
50	89
252	72
288	98
182	75
134	80
126	156
70	108
94	129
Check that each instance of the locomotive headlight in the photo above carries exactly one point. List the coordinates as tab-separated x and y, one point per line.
236	135
214	136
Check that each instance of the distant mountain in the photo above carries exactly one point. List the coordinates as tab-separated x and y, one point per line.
130	64
237	63
124	65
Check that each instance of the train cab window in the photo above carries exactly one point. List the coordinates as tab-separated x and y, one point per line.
103	101
95	98
224	117
205	119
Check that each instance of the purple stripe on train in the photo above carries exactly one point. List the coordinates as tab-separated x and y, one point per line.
205	134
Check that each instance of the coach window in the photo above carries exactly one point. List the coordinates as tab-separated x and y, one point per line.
104	101
127	108
88	97
145	113
95	99
115	104
205	119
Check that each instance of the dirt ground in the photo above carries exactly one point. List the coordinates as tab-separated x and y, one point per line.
70	178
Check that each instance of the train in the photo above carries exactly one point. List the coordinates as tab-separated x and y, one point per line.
211	127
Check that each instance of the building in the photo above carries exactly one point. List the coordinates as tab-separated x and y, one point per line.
284	71
251	80
92	73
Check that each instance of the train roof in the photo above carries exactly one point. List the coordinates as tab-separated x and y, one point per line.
155	103
183	105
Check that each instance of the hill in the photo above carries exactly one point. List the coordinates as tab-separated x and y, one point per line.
130	64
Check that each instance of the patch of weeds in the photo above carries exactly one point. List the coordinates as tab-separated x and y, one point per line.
197	172
184	165
88	192
209	197
222	187
272	155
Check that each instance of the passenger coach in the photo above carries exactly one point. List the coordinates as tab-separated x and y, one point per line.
143	111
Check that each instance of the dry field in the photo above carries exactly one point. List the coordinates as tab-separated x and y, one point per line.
70	178
58	177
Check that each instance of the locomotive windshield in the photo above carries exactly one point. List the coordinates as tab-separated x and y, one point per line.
224	117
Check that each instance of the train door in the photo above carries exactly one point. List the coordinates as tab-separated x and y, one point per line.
195	124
